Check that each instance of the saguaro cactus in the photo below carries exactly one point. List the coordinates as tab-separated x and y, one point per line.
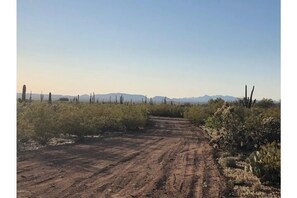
24	94
121	99
151	101
50	98
30	99
41	97
248	101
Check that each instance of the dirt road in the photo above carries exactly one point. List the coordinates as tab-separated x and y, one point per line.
170	159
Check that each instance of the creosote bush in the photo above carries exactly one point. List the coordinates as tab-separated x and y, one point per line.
41	121
166	110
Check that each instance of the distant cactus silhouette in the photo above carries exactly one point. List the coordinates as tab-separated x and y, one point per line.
50	98
248	101
41	97
151	101
121	99
30	98
24	94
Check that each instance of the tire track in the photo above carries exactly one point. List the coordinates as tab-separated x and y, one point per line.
80	185
171	159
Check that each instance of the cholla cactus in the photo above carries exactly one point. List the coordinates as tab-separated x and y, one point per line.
265	163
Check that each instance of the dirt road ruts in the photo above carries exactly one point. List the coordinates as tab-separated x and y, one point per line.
172	158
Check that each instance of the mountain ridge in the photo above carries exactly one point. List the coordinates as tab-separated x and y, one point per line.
134	97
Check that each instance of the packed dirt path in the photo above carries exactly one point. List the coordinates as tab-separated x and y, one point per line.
172	158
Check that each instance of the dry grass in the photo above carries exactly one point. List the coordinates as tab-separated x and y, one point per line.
241	182
245	184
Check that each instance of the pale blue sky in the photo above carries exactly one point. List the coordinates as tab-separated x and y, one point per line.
168	48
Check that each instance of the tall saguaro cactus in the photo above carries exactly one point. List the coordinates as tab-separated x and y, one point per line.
248	101
24	94
50	97
151	101
94	98
121	99
41	97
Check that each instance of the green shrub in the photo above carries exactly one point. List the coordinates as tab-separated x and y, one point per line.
228	162
41	121
244	129
44	121
265	103
166	110
198	114
265	163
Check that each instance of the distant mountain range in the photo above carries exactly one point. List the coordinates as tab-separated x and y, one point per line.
133	97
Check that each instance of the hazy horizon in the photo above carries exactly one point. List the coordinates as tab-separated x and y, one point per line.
165	48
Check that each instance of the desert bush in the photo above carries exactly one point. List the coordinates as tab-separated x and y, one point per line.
265	163
135	118
198	114
244	129
203	114
265	103
166	110
271	130
25	129
228	162
271	112
41	121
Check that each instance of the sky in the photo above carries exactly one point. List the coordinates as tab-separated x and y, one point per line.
156	48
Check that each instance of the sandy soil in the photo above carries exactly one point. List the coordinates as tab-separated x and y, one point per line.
172	158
